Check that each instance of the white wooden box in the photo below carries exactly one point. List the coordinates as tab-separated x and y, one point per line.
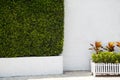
105	68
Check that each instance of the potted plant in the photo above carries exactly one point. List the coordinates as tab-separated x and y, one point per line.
31	37
105	61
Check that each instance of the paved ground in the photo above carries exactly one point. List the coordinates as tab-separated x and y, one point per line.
74	75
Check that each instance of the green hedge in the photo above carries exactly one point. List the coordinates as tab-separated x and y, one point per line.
31	27
106	57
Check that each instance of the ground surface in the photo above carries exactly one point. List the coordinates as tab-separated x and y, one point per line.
74	75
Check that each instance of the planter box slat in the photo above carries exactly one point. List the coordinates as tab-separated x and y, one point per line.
105	68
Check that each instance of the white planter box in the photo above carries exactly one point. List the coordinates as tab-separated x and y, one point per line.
31	66
105	68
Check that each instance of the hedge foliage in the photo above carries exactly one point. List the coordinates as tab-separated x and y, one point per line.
31	27
106	57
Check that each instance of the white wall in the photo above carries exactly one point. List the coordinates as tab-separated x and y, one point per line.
85	22
24	66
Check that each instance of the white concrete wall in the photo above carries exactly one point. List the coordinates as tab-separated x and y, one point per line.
31	66
87	21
